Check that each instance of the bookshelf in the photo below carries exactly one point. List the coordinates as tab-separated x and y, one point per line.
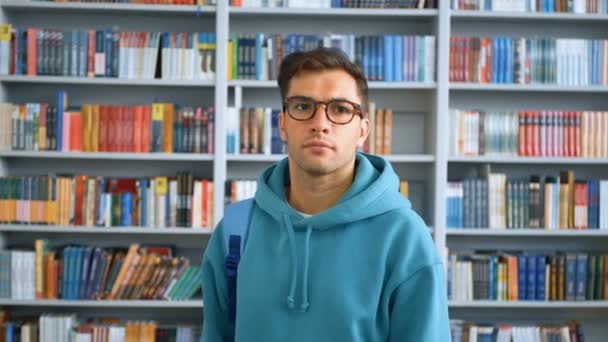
422	116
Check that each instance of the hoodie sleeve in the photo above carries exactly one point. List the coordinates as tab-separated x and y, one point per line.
419	309
216	327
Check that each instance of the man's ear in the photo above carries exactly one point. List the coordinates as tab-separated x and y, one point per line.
282	130
363	130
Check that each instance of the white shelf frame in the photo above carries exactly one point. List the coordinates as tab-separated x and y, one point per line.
347	12
126	304
104	81
12	5
133	230
529	160
156	156
527	232
372	85
527	87
462	15
525	305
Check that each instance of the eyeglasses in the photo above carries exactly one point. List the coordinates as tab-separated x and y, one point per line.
303	108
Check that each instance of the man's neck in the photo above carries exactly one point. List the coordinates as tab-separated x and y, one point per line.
312	194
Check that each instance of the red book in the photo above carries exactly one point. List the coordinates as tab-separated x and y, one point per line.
79	199
31	51
76	132
521	132
452	58
145	136
128	128
91	53
137	128
572	133
103	128
529	127
559	134
536	135
577	133
580	205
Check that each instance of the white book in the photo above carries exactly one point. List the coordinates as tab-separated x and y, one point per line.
173	203
197	202
604	134
429	61
267	131
603	205
150	199
5	48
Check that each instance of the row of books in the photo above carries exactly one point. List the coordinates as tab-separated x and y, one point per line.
107	53
534	6
159	127
527	276
560	202
240	189
388	58
93	273
335	3
67	327
85	200
253	130
560	61
147	2
545	133
462	331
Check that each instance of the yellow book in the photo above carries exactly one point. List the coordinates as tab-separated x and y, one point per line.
87	130
168	128
404	188
131	254
40	251
229	59
95	129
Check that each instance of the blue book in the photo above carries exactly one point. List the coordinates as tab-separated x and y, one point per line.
389	58
100	200
78	268
126	202
65	269
398	68
379	58
531	286
495	54
492	275
593	200
82	53
18	52
570	276
581	276
92	277
62	103
259	42
84	277
143	217
541	287
522	279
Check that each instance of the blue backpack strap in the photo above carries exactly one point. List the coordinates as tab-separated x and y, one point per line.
235	226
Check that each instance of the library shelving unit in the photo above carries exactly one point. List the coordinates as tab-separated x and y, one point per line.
421	149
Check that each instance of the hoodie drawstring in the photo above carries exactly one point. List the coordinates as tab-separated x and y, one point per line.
294	266
305	303
292	245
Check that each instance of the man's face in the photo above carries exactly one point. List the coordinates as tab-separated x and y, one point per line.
319	146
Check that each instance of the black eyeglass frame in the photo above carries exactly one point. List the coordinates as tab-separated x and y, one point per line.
326	103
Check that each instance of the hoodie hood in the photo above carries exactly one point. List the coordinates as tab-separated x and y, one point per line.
374	180
374	191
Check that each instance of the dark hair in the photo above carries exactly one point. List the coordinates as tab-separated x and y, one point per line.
320	59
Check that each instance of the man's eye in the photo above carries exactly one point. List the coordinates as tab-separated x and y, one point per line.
301	106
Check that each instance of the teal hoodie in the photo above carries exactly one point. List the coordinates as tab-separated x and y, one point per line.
364	270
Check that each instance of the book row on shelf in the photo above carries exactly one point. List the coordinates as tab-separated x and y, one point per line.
388	58
527	276
323	4
254	130
508	60
68	327
156	127
107	53
545	133
533	6
240	189
462	331
96	201
558	202
87	272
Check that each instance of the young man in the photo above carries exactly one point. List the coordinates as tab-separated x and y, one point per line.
334	252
